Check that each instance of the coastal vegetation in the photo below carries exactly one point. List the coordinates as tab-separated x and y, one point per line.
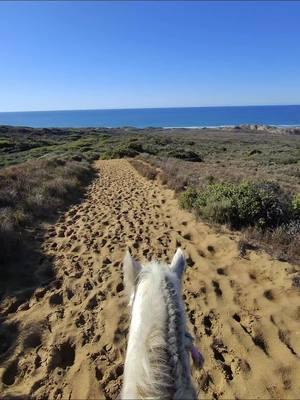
244	178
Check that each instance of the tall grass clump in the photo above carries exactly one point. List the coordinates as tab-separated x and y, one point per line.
144	169
282	242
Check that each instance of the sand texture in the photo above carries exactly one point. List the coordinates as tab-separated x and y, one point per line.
71	340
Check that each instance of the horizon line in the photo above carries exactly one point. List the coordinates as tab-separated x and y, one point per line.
150	108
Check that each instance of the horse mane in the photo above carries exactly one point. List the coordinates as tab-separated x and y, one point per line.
157	361
178	343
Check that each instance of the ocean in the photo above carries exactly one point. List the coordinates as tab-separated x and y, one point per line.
157	117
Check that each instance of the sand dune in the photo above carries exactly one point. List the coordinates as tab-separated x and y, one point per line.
243	312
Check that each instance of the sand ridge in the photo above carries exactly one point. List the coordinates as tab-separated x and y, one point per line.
71	343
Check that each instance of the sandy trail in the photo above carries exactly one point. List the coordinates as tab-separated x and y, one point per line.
243	312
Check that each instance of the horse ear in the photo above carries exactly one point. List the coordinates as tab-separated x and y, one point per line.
178	263
131	269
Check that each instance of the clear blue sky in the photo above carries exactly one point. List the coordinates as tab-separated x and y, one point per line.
74	55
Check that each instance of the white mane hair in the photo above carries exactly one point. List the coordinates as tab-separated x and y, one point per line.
157	359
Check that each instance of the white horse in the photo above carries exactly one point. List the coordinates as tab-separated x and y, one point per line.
157	361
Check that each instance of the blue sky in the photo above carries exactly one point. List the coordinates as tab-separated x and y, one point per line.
82	55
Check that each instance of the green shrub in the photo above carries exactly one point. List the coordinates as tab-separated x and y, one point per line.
188	198
4	144
218	211
246	204
187	155
296	205
151	148
136	146
161	141
119	152
92	156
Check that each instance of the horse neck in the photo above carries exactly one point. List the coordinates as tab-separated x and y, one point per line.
146	337
154	336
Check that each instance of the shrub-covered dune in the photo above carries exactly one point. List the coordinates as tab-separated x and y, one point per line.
216	162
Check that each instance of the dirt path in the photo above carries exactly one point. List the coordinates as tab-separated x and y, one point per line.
244	313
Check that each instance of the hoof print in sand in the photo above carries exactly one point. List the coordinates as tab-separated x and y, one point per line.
62	356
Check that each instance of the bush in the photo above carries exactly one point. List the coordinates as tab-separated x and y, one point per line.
77	157
188	198
246	204
136	146
187	155
151	148
218	211
4	144
120	152
296	205
92	155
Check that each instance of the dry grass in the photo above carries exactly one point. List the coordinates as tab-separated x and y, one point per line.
167	173
144	169
282	242
171	175
32	192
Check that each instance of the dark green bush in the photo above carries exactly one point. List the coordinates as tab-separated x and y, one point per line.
136	146
5	144
151	148
161	141
93	155
187	155
77	157
246	204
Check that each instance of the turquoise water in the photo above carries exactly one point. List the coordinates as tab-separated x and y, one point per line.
157	117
